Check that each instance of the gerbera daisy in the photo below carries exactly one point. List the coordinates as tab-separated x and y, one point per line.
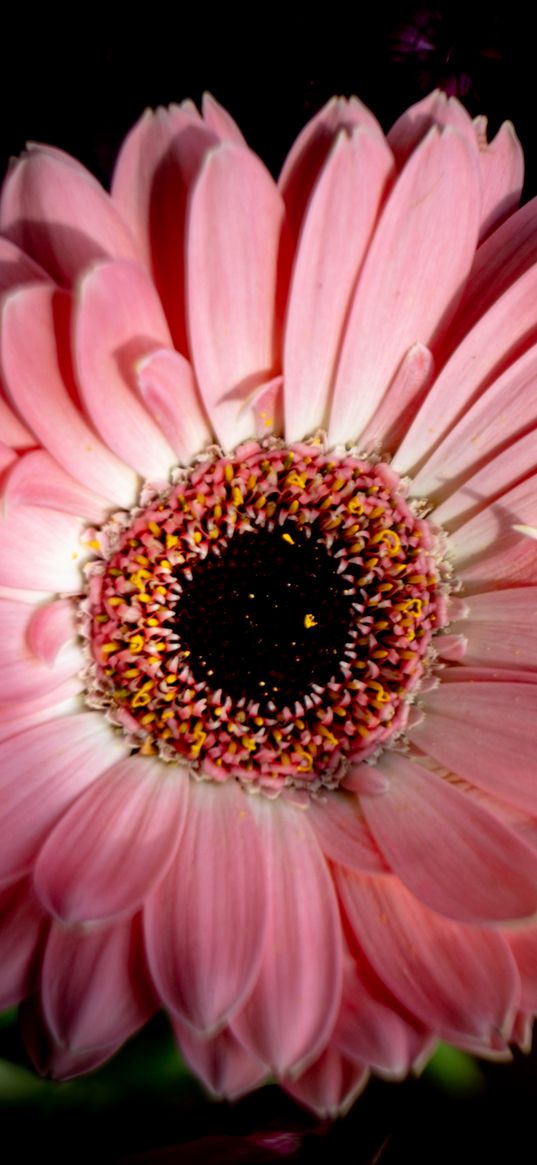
269	623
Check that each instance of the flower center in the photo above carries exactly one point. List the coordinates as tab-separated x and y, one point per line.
268	616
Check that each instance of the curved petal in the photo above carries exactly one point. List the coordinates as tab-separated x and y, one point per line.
342	833
492	744
157	165
401	400
225	1067
458	980
41	771
119	319
16	267
57	212
489	550
23	673
330	1086
335	233
412	276
502	169
220	121
205	922
52	1059
437	109
167	387
370	1030
93	989
453	854
36	479
21	929
38	374
50	629
114	843
41	550
289	1015
19	715
234	243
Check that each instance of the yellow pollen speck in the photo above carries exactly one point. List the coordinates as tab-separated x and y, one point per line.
260	502
197	536
131	672
310	621
171	541
94	544
237	496
108	648
115	601
155	528
147	749
152	622
140	699
287	538
228	472
136	644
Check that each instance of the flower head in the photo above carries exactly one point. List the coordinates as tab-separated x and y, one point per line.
268	600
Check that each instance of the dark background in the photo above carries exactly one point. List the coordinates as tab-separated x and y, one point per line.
79	82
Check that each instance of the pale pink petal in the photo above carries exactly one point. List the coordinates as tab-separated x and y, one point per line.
51	628
437	109
219	120
523	944
290	1013
500	629
41	772
342	832
484	732
167	386
39	372
330	1086
335	233
267	406
14	433
460	981
114	843
59	214
370	1029
38	480
234	245
206	921
8	457
41	549
16	267
502	169
483	429
449	850
489	550
311	148
23	674
482	356
52	1059
156	167
118	320
93	988
399	404
21	930
412	276
19	715
225	1067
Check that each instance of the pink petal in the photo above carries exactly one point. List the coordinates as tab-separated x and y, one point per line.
225	1067
21	929
156	167
342	833
51	628
14	433
453	854
311	148
220	121
43	364
459	981
118	320
22	675
330	1086
370	1030
51	1059
484	428
42	771
93	988
484	732
412	275
523	944
335	233
37	480
41	550
168	389
57	212
502	169
16	267
19	715
234	241
206	921
290	1013
437	109
114	843
267	406
488	548
489	483
401	400
482	356
501	629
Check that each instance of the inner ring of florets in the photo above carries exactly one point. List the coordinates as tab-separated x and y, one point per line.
267	616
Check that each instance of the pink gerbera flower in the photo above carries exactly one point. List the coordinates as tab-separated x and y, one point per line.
268	625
